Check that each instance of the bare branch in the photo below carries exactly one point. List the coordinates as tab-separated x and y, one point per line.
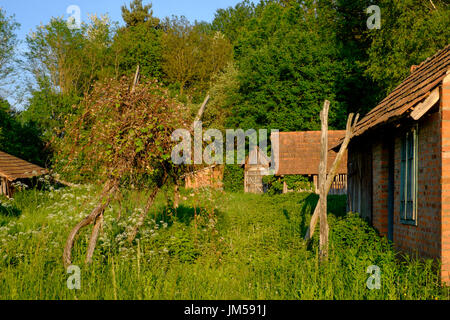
106	197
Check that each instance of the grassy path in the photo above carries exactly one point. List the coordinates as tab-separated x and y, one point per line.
216	246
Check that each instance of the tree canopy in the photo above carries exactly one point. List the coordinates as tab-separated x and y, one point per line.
8	42
267	64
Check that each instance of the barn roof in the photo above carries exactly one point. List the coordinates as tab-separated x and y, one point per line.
411	93
299	152
13	168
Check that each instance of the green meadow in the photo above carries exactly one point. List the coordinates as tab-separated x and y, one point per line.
216	245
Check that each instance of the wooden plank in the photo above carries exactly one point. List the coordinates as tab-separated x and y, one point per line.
423	107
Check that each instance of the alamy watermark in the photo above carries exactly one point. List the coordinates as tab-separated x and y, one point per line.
374	21
214	153
74	281
374	280
74	20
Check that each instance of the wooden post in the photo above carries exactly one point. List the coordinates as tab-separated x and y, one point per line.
137	76
323	181
176	195
348	134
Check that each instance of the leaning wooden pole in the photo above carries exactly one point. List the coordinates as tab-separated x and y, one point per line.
351	123
323	181
201	111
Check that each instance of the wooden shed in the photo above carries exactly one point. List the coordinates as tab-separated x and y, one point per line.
13	169
399	163
299	154
255	168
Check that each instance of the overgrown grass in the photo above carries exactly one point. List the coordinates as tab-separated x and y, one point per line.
215	246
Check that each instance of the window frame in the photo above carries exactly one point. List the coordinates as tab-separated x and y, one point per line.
409	177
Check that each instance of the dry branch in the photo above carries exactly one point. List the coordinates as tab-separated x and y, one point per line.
201	111
107	195
94	237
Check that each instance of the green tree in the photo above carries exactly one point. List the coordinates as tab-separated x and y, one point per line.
139	42
65	64
223	92
138	14
8	42
22	140
70	60
49	110
190	56
411	31
289	62
348	19
231	21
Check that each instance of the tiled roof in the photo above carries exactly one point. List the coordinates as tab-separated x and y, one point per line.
13	168
413	90
299	152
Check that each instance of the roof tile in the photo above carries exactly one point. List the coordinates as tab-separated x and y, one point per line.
13	168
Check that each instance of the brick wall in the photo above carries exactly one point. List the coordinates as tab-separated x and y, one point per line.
206	177
445	227
380	171
431	236
425	237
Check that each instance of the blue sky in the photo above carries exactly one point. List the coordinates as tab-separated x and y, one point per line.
30	13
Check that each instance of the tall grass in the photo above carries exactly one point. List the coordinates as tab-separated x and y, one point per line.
215	246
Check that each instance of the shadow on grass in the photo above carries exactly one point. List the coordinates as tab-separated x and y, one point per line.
183	214
8	212
336	206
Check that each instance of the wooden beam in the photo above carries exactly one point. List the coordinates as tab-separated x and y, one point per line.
423	107
323	181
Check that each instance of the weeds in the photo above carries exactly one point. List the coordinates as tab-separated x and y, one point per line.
215	246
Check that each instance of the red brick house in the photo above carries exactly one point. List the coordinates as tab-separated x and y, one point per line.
299	154
399	163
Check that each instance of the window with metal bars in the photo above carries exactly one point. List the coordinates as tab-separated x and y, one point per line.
408	177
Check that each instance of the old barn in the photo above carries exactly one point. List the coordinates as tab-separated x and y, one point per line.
15	169
299	154
399	163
